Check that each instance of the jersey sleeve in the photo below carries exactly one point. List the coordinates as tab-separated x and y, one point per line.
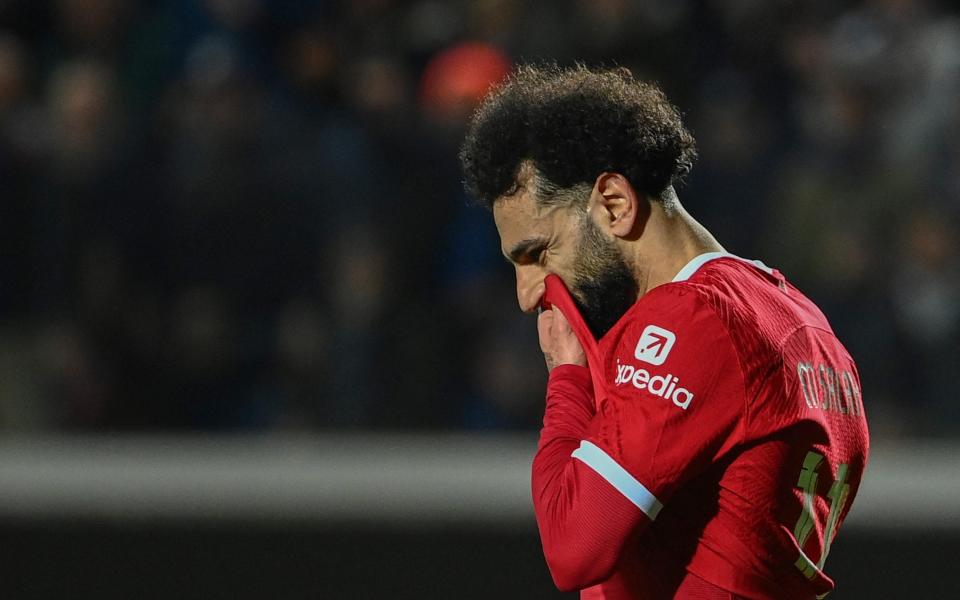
673	404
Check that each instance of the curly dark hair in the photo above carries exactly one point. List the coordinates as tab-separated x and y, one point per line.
571	125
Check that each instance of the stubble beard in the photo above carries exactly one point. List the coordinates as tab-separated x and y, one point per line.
604	286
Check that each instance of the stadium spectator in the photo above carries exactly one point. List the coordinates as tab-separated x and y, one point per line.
149	150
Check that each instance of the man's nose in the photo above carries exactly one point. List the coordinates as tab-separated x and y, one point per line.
530	287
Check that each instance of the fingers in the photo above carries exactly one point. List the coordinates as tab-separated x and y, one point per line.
558	341
545	326
561	327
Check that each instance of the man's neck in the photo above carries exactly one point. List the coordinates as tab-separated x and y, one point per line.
671	239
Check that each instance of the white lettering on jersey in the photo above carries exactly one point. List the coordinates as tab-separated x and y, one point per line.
827	388
663	386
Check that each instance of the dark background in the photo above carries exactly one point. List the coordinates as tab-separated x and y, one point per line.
244	217
247	215
83	560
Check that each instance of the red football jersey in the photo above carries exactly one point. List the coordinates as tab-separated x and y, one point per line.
712	448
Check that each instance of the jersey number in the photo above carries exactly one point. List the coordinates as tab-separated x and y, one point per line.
837	497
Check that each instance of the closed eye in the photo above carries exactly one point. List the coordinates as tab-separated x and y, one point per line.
528	251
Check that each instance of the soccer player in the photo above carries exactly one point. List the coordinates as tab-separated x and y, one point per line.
704	434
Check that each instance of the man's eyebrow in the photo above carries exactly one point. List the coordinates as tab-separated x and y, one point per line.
524	247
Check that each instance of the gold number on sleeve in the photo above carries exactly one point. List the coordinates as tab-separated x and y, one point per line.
837	497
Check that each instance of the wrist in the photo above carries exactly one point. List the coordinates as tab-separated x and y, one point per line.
553	363
571	371
571	385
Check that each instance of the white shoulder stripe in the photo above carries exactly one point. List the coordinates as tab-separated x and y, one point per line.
598	460
698	261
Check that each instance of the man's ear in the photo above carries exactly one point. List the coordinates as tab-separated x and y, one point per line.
617	208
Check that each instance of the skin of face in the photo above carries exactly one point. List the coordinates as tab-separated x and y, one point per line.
579	243
609	250
536	241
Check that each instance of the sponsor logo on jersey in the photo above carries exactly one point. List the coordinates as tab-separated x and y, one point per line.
663	386
654	345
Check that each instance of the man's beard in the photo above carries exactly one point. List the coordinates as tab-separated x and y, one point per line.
604	286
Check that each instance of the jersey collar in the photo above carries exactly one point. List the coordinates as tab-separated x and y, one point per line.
698	261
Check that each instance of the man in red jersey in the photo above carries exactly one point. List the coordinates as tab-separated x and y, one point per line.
704	434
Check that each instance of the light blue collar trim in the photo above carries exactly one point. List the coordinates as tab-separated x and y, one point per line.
694	265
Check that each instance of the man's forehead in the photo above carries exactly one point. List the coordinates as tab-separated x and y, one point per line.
521	203
519	215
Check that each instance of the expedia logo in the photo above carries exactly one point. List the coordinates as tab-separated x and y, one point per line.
654	345
663	386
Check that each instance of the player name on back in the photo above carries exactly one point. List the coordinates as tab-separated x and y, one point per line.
830	389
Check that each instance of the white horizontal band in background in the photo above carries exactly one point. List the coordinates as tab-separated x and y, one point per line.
385	479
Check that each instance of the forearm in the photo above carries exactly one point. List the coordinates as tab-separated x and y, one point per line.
583	520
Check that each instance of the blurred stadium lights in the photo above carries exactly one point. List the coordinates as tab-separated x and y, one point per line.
395	480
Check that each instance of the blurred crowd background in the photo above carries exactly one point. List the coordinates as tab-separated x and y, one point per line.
247	214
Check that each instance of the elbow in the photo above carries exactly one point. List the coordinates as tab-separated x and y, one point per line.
575	570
